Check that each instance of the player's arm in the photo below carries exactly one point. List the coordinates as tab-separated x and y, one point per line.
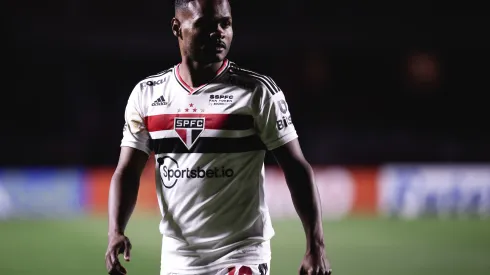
123	193
132	159
304	193
276	129
124	187
125	182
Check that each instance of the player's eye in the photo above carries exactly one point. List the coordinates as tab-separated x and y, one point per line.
225	23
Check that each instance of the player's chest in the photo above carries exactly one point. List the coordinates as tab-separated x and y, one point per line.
193	118
213	100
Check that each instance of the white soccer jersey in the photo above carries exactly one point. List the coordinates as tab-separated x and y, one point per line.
209	146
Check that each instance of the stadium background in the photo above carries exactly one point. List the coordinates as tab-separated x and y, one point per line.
388	99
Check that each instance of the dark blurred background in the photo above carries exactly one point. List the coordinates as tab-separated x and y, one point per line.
389	99
367	83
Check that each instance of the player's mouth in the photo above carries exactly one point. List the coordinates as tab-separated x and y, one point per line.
217	46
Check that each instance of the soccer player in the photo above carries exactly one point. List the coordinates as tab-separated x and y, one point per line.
209	123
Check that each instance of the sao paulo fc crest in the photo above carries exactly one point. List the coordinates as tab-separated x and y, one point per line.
189	129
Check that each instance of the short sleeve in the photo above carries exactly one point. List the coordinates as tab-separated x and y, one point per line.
135	133
274	123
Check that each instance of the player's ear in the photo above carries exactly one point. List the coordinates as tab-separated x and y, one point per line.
175	24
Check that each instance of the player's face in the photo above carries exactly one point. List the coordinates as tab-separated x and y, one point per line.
206	30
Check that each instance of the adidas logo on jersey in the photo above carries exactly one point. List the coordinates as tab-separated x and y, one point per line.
159	102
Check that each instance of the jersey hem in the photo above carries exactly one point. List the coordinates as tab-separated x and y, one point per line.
215	267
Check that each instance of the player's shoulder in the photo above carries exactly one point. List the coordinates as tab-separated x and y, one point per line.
253	79
154	79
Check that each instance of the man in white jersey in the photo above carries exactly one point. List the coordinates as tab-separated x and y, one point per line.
209	123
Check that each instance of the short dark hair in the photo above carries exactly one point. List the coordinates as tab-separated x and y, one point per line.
179	4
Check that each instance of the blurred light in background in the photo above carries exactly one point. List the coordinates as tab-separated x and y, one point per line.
423	70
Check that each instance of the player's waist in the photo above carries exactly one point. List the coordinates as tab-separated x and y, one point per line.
252	251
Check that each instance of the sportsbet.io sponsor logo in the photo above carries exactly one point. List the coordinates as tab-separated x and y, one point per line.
171	172
285	120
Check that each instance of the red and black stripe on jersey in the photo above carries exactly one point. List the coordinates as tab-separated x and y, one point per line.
233	122
213	121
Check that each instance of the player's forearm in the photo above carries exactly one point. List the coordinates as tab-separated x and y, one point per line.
304	193
123	194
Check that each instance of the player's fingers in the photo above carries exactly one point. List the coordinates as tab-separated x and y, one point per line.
118	269
114	257
112	264
108	262
129	243
127	250
328	272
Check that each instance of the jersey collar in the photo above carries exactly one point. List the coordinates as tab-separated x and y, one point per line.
192	90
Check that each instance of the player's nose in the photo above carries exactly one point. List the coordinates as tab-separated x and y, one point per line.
218	33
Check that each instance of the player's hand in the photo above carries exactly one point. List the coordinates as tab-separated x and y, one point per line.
315	263
118	244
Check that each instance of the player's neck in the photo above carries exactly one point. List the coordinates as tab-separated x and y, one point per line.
195	74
